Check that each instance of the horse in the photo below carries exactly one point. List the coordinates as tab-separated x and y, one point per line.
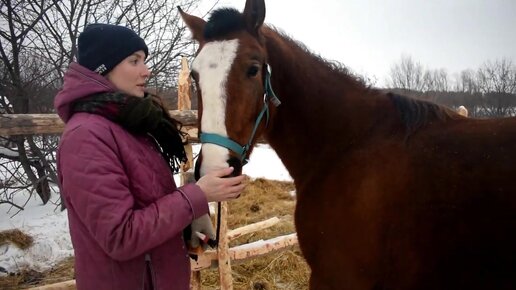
392	192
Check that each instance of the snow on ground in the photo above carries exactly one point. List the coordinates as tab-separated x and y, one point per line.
46	224
49	226
265	163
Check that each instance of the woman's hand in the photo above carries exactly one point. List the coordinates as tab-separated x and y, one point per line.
218	188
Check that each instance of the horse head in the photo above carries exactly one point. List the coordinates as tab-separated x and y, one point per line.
232	77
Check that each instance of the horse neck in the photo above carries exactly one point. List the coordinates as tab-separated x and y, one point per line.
323	108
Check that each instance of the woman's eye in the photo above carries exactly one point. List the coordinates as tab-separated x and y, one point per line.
253	71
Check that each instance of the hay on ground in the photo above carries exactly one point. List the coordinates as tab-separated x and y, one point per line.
17	238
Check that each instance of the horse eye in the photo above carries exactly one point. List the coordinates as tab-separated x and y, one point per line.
253	71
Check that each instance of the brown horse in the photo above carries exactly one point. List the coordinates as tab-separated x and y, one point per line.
393	192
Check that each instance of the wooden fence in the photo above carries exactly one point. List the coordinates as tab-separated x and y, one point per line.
224	256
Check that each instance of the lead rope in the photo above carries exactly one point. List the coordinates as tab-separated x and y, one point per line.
217	236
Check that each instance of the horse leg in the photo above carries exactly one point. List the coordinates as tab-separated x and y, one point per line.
339	255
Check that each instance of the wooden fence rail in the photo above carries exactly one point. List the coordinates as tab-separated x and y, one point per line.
29	124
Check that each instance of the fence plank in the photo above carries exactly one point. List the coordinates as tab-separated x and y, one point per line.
66	285
28	124
236	233
242	253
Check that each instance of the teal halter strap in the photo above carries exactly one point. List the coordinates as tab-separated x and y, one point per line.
234	146
222	141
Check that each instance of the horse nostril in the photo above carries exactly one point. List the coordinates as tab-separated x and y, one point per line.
236	164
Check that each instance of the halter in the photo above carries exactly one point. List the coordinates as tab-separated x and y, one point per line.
240	150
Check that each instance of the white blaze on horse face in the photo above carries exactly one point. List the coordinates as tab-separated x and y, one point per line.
213	64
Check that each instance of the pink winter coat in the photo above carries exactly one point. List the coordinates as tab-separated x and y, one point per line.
125	212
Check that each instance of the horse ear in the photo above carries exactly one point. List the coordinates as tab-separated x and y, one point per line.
195	24
254	15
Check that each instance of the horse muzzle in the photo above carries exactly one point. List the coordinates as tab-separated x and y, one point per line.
232	162
236	164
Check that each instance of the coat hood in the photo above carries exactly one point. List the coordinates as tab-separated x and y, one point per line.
79	82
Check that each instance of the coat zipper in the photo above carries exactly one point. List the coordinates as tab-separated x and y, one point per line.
149	272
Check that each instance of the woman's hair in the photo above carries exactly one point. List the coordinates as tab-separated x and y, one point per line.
158	100
150	115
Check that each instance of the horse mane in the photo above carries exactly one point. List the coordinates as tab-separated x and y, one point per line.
415	113
223	21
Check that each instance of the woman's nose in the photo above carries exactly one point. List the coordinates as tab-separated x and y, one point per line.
146	71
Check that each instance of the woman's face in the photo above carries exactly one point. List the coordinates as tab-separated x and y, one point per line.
130	74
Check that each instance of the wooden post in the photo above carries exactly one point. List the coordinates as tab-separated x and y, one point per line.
184	103
195	280
184	85
226	279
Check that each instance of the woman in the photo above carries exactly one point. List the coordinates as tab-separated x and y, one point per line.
115	160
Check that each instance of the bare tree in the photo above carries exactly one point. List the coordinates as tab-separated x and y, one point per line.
410	75
497	83
18	20
407	75
488	92
39	40
436	80
466	82
498	77
156	21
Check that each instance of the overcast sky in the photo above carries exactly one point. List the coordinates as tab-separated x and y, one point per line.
369	36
